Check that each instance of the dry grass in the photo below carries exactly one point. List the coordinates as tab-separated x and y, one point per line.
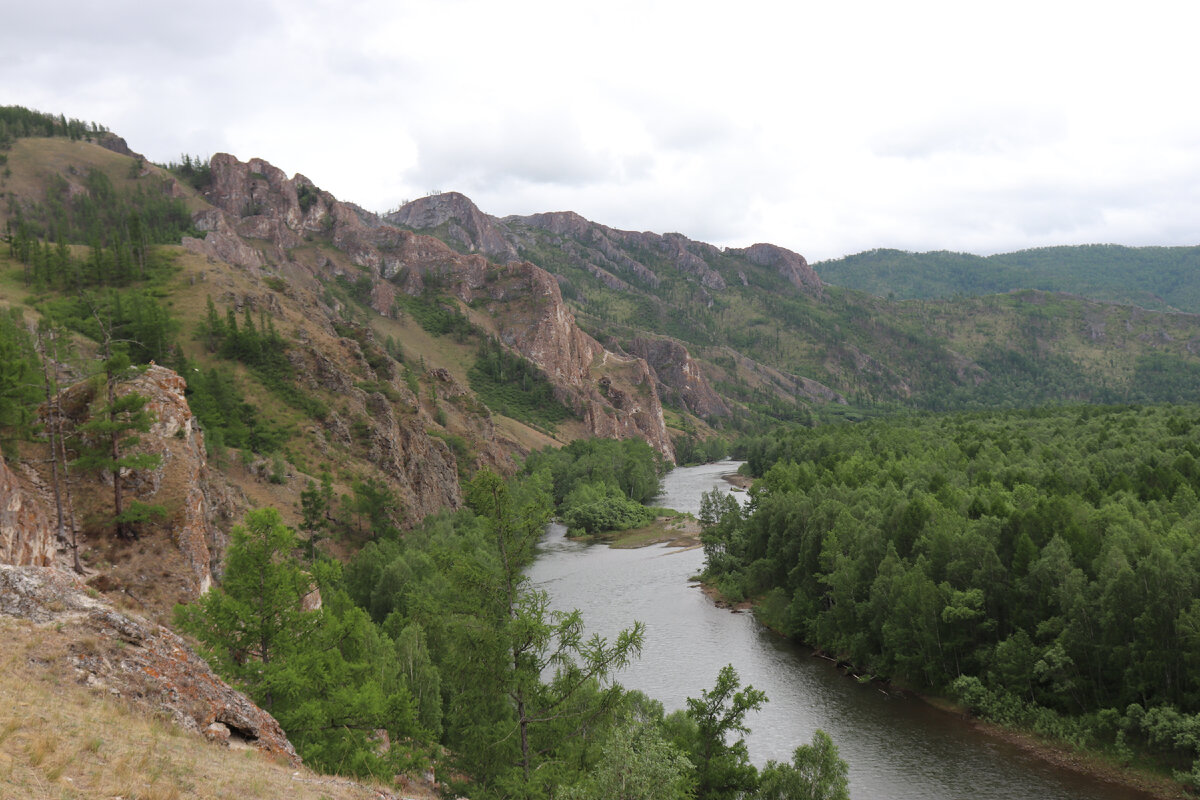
62	740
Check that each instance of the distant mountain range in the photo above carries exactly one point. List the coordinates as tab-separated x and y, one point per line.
778	336
1157	278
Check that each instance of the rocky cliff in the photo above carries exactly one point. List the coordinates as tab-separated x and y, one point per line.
614	395
198	503
680	377
620	259
792	266
464	224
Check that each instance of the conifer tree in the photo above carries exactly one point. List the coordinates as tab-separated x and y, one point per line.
723	770
257	620
107	438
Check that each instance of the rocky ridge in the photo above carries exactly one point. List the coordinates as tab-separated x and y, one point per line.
607	253
680	377
613	394
621	261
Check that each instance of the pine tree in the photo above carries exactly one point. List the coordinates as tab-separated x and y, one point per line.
106	439
257	620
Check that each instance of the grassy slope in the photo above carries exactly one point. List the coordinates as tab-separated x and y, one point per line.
63	740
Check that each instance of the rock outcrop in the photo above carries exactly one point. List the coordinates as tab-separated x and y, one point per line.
27	537
422	466
679	377
181	480
466	225
792	266
614	395
145	663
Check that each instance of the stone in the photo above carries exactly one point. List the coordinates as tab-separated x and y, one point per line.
27	537
153	666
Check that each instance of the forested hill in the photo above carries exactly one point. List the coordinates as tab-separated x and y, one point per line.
1159	278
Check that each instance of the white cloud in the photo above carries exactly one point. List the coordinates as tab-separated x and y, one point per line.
824	127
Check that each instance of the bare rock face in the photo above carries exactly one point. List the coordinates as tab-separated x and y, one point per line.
222	243
792	266
680	377
176	437
110	141
422	465
145	663
26	534
466	224
614	394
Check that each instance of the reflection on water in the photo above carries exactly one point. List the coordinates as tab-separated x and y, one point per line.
897	748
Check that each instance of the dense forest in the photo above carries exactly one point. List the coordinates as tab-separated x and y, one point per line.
1042	566
436	638
1151	277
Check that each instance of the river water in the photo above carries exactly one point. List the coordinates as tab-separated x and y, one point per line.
897	748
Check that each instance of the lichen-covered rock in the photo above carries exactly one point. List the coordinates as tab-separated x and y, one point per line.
145	663
27	537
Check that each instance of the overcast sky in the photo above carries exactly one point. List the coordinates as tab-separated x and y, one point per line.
828	128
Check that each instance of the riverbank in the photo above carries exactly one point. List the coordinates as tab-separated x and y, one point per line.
738	480
1152	786
1148	784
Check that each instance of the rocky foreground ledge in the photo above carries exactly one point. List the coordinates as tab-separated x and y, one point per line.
146	664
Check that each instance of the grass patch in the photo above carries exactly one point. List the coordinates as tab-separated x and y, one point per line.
668	527
59	739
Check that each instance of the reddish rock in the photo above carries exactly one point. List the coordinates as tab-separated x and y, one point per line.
525	303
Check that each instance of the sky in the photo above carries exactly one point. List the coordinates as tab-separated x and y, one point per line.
829	128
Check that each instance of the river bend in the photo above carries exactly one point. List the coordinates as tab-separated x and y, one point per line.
897	748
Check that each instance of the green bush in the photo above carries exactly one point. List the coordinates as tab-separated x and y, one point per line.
593	508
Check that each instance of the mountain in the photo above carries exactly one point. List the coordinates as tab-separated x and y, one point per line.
353	370
775	338
1156	278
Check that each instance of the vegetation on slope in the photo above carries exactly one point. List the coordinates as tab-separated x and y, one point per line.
438	639
1043	565
1158	278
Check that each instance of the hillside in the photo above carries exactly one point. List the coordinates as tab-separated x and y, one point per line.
198	354
771	335
1155	278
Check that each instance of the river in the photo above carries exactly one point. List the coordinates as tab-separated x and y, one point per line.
898	748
